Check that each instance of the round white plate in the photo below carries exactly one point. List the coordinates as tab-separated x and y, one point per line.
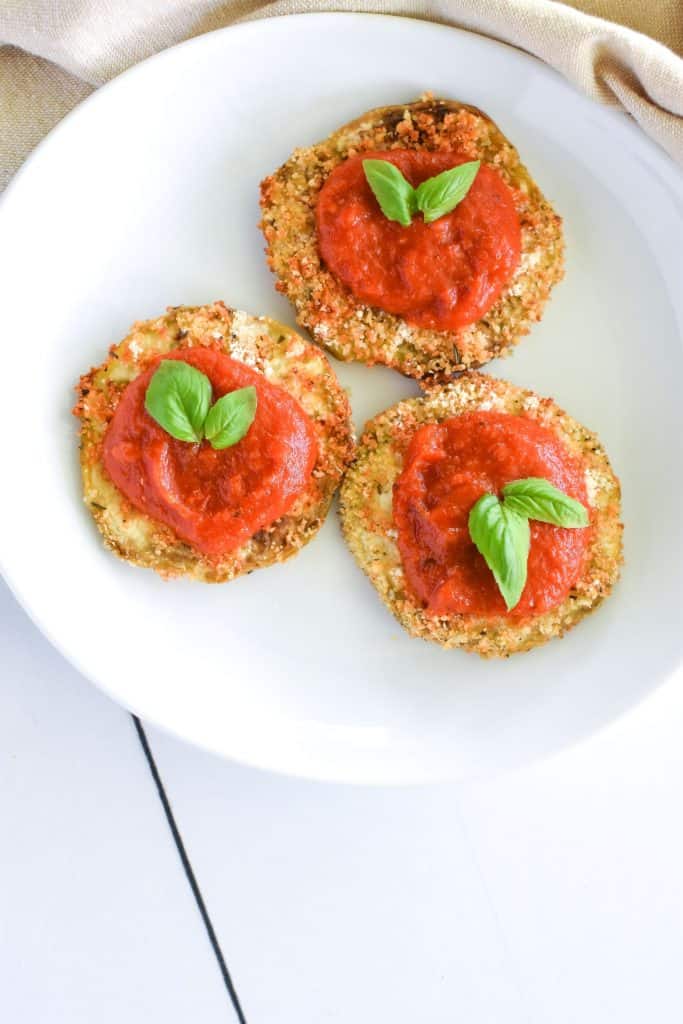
147	196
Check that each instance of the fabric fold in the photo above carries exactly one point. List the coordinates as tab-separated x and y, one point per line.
55	54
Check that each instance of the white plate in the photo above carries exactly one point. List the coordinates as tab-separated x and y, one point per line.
146	196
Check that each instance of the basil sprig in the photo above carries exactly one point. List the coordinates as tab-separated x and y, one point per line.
500	529
537	498
178	397
395	195
434	197
439	195
503	539
230	417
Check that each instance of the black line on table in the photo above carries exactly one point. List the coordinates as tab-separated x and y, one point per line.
189	873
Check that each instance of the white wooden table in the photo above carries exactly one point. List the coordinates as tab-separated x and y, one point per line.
551	896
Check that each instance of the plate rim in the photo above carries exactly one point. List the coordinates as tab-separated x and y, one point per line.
619	122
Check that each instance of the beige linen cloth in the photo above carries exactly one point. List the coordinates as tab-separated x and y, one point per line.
55	52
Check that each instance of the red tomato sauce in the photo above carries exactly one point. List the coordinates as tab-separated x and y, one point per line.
448	467
442	275
214	500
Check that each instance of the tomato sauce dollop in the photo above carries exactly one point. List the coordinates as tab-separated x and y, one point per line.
448	467
444	275
214	500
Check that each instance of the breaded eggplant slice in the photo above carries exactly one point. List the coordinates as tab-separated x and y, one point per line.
351	330
285	359
367	522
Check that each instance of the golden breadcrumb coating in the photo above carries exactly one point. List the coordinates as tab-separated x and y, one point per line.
368	527
285	359
351	330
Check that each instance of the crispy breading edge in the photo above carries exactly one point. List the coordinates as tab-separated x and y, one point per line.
367	524
286	359
353	331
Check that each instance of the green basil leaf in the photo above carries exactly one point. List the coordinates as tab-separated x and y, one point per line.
502	537
537	498
441	194
178	398
230	417
395	195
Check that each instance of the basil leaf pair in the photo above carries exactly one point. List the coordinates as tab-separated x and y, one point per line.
500	529
434	197
178	397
